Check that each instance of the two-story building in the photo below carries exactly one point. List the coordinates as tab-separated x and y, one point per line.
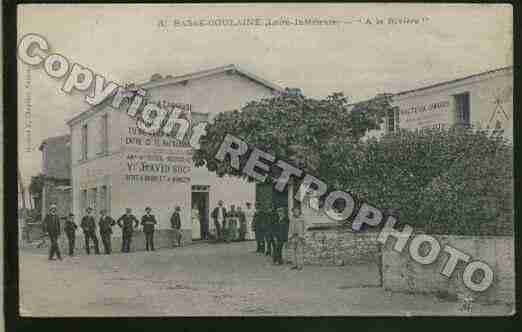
480	101
115	165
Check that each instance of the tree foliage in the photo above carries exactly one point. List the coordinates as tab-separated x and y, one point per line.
292	128
441	181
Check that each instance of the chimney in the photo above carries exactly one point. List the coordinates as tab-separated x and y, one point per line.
294	92
156	77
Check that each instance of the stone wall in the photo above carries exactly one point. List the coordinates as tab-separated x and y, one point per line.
401	273
337	247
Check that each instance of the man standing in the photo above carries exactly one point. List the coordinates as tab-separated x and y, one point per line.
127	222
51	225
148	221
105	224
70	231
259	228
270	230
218	214
88	226
280	235
175	223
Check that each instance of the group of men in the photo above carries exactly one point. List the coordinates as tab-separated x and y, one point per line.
127	222
230	225
274	228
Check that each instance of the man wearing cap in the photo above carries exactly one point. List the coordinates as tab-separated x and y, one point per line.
127	222
175	223
51	225
147	222
70	231
105	224
88	225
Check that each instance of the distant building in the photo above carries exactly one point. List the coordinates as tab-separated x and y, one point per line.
56	172
479	101
115	165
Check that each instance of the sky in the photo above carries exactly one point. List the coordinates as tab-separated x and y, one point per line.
362	58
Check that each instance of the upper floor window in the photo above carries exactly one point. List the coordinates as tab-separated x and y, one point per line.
85	142
392	120
104	134
462	109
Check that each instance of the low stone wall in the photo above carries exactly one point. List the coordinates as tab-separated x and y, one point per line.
401	273
337	247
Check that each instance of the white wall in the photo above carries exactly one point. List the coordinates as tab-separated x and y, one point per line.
214	94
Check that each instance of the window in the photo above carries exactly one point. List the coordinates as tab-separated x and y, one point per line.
92	198
85	141
83	201
103	198
462	111
391	120
104	135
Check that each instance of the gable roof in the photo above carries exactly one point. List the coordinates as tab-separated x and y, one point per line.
460	79
191	76
209	72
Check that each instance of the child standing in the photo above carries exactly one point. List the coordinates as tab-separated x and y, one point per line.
296	240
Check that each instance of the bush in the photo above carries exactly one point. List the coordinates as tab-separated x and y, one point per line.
441	181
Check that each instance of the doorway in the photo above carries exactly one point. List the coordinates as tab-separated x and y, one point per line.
200	213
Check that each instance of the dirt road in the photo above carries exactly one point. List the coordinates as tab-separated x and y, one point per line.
210	280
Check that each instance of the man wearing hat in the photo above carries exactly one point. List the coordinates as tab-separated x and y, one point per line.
105	224
127	222
88	224
70	231
175	223
147	222
51	225
218	215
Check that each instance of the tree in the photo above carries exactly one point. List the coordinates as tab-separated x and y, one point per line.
292	128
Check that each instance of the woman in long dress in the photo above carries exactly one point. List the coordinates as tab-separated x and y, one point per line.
196	226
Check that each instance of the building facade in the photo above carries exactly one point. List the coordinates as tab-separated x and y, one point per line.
479	101
115	165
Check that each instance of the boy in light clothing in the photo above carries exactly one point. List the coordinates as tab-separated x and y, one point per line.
296	240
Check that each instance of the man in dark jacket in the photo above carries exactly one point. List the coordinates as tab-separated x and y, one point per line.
105	224
88	225
127	222
280	234
259	228
147	222
175	224
218	215
51	225
70	231
270	231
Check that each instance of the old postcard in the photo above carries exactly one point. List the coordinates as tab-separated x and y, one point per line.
265	160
